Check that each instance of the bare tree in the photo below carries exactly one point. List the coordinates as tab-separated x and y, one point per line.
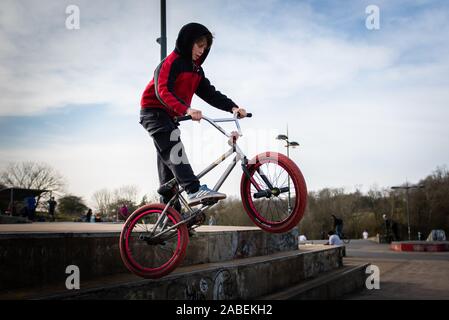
32	175
103	200
127	194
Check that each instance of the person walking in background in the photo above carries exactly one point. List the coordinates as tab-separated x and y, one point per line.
52	207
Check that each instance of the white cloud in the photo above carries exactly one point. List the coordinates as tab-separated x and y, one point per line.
359	103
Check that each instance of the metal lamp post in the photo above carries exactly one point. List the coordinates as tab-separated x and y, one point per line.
163	39
407	187
289	144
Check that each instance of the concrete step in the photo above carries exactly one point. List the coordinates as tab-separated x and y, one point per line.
246	278
333	284
29	258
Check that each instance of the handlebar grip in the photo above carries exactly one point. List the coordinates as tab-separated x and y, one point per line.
183	118
249	115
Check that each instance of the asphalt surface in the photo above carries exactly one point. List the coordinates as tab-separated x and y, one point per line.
403	275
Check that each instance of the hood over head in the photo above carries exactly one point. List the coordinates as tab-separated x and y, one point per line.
187	37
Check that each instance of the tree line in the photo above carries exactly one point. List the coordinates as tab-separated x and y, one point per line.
41	176
428	207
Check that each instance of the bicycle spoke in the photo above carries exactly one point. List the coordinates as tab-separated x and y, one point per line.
285	180
277	179
259	181
147	253
275	208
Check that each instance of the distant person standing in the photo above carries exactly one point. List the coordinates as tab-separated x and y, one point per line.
98	217
124	212
365	234
212	220
387	224
89	215
391	229
338	226
52	207
394	230
30	203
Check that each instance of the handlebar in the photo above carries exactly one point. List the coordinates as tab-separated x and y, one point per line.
184	118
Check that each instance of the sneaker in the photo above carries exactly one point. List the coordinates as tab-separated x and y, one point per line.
204	193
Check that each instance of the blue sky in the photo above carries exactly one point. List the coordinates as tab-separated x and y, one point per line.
368	107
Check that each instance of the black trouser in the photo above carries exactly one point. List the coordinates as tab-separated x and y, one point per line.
168	144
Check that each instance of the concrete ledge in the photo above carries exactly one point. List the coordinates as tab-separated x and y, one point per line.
420	246
29	258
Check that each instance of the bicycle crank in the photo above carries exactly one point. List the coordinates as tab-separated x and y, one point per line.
151	240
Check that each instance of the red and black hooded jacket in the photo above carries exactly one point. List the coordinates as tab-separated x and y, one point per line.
177	78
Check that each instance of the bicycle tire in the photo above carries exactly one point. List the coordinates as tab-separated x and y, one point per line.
151	260
253	207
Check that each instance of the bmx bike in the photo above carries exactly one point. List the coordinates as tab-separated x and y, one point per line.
154	238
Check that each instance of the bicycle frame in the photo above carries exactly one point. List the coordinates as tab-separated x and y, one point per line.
166	231
240	156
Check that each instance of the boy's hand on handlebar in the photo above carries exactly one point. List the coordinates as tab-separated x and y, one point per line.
241	112
196	114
